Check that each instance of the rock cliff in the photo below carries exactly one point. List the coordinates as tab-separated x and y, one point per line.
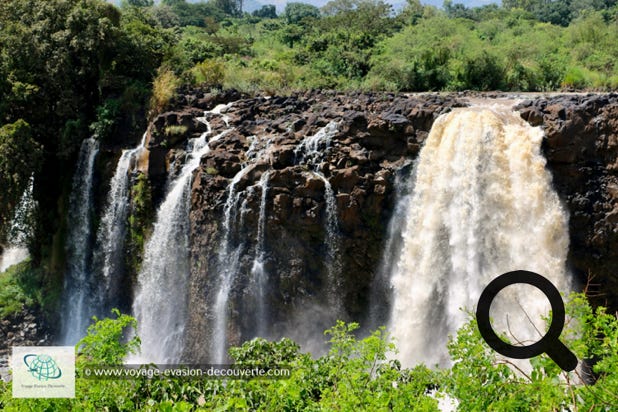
581	146
374	141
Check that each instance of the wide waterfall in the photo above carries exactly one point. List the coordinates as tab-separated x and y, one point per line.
482	205
160	303
79	296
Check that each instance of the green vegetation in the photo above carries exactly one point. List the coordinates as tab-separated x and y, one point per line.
140	219
355	374
12	295
175	130
19	157
74	68
21	286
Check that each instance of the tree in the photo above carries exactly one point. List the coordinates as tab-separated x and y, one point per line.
230	7
369	17
267	11
297	13
137	3
457	10
165	16
20	155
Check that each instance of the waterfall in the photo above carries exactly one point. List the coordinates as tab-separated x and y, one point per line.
258	271
16	249
380	293
161	297
231	249
108	256
312	152
228	264
78	296
482	205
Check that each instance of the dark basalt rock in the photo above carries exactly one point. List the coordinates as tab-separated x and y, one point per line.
581	146
26	327
378	136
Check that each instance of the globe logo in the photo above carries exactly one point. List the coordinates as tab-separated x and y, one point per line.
42	367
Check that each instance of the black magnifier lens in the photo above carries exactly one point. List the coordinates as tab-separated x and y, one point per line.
550	343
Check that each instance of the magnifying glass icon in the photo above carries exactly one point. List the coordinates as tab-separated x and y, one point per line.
549	343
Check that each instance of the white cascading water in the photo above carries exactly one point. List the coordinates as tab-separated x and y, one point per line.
16	249
312	152
230	252
112	230
380	285
78	296
258	271
228	262
161	296
482	205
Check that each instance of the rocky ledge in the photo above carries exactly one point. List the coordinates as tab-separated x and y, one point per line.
24	328
364	145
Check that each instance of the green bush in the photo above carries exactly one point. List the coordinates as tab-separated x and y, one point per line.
209	73
22	286
12	297
163	90
356	374
576	78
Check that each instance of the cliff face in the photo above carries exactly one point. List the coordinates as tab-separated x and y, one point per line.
257	190
581	146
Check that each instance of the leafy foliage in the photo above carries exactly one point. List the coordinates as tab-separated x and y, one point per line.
107	341
20	156
359	374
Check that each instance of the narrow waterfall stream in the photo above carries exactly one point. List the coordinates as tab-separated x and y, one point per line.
311	153
258	271
160	303
79	297
110	242
230	251
482	205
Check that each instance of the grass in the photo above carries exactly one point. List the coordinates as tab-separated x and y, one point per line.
176	130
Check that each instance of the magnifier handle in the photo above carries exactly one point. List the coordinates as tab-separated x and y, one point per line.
563	357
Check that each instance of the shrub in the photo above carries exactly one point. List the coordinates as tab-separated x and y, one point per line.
575	78
175	130
163	90
209	73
